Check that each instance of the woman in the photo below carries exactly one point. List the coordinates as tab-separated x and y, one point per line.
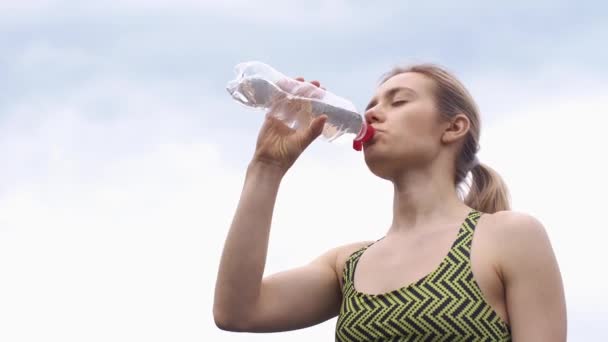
448	269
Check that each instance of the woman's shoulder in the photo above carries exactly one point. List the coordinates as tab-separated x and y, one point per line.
513	234
505	224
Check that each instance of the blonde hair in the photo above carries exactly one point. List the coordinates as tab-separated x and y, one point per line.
487	191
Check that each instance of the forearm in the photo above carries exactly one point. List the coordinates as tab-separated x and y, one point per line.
244	255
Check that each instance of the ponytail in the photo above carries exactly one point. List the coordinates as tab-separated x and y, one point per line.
487	193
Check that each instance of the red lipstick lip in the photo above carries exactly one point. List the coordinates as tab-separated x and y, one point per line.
376	130
373	139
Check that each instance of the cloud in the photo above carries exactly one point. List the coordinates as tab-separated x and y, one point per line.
123	156
124	250
132	242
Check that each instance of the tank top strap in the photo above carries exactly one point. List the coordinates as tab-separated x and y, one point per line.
469	225
351	262
462	244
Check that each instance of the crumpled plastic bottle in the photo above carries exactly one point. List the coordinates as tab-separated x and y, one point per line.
296	103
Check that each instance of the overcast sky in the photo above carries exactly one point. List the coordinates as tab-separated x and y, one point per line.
122	155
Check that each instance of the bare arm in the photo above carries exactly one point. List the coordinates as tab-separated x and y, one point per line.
294	299
533	284
284	301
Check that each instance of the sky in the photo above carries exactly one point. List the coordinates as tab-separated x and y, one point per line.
123	156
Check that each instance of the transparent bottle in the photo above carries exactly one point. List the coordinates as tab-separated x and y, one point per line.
296	103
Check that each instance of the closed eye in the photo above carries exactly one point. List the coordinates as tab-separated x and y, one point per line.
399	103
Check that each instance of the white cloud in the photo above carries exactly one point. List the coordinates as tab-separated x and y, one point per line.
125	252
134	249
42	55
132	252
335	15
27	5
117	197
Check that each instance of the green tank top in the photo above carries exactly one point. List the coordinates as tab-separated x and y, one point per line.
445	305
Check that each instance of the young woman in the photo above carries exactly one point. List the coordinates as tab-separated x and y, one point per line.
448	269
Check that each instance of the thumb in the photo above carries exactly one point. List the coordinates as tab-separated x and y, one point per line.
314	129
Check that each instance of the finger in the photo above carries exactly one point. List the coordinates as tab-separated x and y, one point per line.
314	129
311	90
301	79
289	85
306	89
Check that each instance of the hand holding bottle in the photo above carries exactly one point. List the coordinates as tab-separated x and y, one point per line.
298	105
278	144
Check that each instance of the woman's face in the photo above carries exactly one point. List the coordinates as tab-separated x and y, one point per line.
408	126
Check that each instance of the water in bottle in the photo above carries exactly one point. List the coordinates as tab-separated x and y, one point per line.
296	103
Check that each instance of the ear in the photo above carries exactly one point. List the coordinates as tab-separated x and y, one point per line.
455	129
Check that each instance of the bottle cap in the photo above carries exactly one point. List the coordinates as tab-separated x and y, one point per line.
366	133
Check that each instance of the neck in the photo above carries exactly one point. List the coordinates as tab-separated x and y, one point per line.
423	198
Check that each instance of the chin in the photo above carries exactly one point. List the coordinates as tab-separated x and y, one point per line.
378	165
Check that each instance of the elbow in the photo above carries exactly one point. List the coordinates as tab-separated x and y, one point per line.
229	322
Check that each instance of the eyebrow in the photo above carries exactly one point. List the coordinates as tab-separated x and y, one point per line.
390	93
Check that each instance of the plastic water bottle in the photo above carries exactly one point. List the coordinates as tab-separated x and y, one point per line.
296	103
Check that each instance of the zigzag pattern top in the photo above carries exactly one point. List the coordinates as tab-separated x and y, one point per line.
445	305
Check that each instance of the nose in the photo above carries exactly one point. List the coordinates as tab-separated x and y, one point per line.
371	116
